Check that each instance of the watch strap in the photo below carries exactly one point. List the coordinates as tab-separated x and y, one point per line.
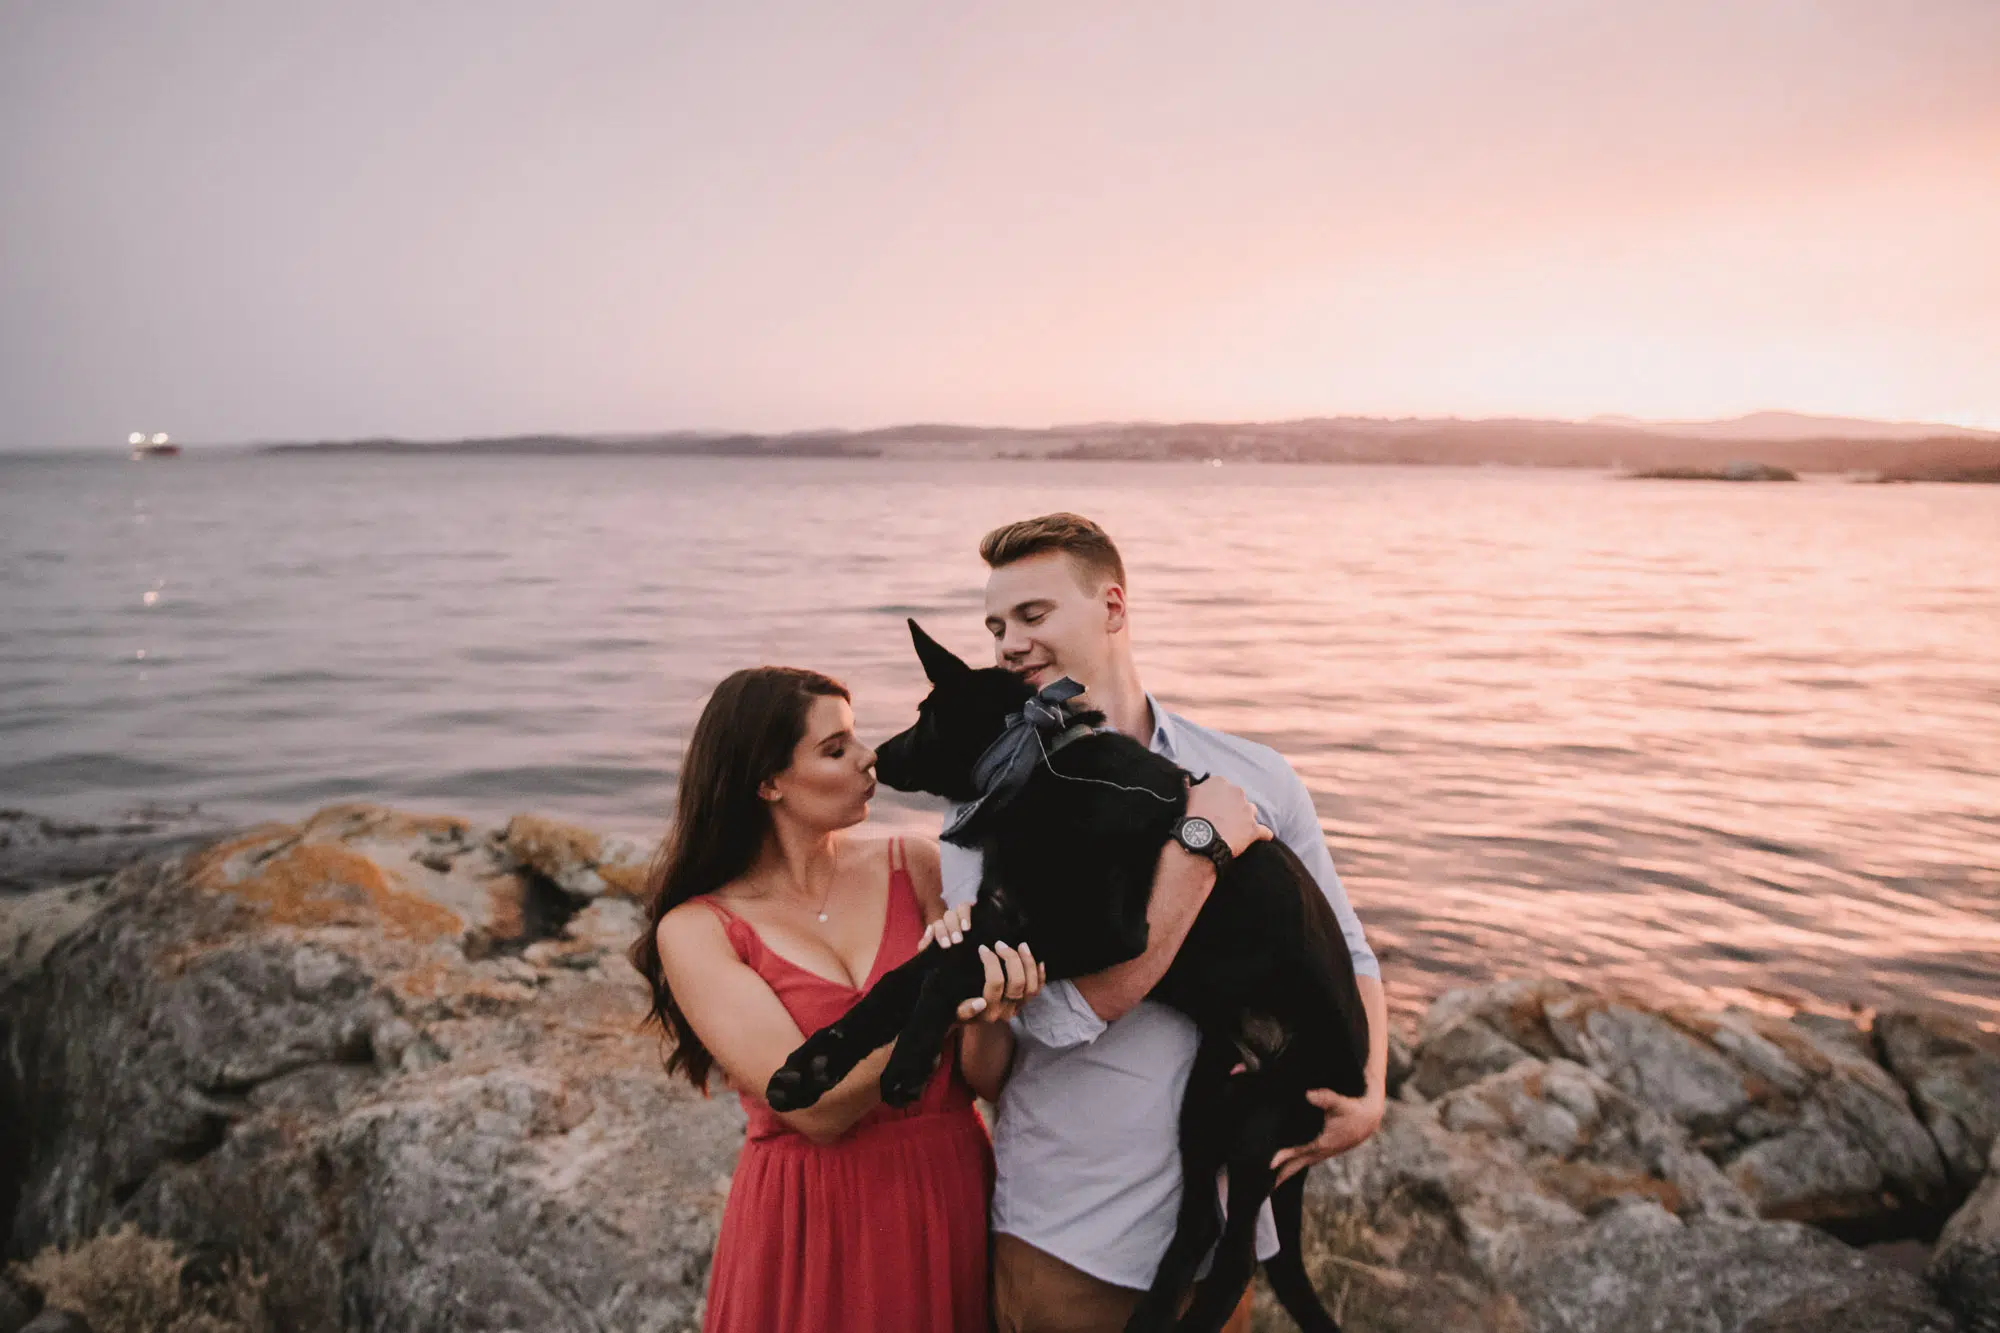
1217	851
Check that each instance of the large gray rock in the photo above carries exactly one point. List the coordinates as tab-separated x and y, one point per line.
1560	1160
1639	1269
1952	1070
1796	1111
1585	1142
1542	1199
1462	1053
1431	1222
1965	1267
376	1059
1832	1137
1471	1032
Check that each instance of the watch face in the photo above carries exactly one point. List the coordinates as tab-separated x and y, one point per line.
1197	833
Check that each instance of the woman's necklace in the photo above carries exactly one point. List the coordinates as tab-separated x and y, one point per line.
827	897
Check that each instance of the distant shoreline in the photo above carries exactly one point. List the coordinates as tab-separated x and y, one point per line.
1773	442
1704	447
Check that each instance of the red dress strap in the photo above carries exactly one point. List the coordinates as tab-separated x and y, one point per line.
742	935
716	907
903	903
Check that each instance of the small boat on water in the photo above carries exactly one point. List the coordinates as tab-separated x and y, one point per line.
152	446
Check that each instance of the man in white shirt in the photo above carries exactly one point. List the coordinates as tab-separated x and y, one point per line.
1086	1139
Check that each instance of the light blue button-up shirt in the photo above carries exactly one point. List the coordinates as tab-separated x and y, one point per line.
1087	1140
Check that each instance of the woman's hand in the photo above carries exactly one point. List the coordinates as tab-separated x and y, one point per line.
948	929
1013	976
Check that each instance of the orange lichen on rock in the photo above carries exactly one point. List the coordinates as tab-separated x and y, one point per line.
1584	1185
506	899
540	841
625	881
425	981
325	884
578	859
221	861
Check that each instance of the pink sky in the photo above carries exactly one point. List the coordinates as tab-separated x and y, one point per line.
250	221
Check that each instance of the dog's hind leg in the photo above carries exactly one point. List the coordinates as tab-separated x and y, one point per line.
1203	1133
1235	1262
1286	1270
956	977
827	1056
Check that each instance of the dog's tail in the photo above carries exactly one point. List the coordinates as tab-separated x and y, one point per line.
1286	1270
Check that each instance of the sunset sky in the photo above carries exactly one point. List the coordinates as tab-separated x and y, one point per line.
253	220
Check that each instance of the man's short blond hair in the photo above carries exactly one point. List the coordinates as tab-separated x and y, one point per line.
1086	544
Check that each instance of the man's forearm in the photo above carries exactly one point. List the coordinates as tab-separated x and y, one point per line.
1375	1001
1180	887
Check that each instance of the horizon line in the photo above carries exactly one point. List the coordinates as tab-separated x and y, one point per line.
1613	420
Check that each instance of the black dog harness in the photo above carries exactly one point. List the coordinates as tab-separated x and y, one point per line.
1035	735
1045	724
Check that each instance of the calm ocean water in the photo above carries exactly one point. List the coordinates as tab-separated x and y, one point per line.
1735	741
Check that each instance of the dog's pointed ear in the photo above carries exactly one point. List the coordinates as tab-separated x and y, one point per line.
940	665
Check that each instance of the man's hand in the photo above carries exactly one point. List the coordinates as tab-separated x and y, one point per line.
1223	804
1349	1121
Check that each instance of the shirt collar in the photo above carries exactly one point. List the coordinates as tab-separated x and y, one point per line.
1164	731
1165	739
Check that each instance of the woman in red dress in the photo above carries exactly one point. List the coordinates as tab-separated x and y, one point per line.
768	921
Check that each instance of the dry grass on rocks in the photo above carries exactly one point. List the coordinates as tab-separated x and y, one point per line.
128	1282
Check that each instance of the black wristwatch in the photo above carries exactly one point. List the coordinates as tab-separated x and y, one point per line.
1199	836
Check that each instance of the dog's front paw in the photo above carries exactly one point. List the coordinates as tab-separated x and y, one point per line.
807	1075
787	1091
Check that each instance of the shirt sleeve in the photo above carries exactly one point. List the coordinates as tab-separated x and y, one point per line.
1297	826
959	867
1058	1016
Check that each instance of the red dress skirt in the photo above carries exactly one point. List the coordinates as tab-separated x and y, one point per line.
882	1229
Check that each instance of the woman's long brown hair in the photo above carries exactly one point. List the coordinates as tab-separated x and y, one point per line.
747	733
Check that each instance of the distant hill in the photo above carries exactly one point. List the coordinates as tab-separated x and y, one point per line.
1799	426
1779	439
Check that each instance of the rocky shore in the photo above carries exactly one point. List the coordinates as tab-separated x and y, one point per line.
391	1063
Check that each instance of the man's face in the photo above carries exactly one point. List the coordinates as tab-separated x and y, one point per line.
1049	619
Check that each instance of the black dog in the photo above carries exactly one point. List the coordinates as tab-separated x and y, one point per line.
1071	845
